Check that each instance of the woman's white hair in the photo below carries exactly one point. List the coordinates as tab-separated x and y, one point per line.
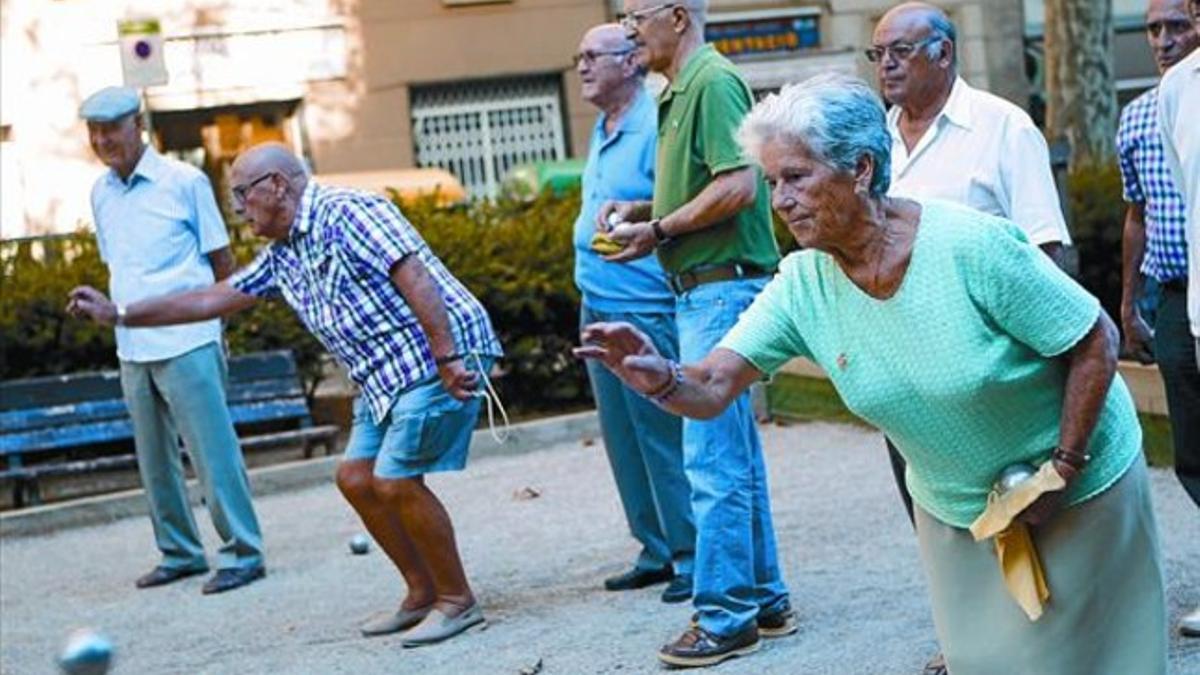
837	117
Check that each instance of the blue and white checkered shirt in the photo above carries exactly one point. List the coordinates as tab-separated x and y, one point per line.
334	272
1148	181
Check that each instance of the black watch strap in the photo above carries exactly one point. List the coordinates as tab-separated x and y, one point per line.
660	236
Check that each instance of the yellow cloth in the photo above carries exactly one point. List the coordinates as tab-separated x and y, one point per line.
1018	558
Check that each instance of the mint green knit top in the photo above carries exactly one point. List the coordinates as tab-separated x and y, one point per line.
959	367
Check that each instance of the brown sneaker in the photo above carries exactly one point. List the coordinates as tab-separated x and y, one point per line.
697	647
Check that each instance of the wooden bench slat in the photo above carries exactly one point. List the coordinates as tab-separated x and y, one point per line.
58	438
279	364
96	411
35	418
62	436
56	414
54	390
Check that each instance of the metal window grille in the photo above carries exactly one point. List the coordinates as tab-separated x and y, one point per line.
478	130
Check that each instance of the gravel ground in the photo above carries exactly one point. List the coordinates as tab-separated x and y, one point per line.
537	564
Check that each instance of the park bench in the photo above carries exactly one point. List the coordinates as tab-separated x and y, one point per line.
48	424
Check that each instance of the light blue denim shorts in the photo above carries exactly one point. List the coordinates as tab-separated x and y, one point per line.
426	431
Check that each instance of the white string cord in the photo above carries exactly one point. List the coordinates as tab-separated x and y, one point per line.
493	399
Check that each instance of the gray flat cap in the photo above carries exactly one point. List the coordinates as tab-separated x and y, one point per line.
110	104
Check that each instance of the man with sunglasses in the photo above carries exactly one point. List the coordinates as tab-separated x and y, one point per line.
710	224
159	231
643	442
954	142
364	282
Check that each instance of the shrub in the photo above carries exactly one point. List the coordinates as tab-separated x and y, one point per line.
1097	220
517	258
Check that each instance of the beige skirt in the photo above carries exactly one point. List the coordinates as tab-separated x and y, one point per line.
1106	613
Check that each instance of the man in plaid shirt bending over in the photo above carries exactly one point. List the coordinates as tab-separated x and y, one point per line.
417	342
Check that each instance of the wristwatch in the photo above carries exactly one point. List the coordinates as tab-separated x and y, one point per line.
660	237
120	315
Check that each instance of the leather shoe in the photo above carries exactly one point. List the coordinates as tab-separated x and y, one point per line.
936	666
698	648
1189	625
160	576
779	622
637	578
679	590
232	577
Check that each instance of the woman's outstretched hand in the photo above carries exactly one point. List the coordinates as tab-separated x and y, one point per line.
628	353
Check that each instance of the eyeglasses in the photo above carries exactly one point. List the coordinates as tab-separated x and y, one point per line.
240	191
632	20
589	57
901	51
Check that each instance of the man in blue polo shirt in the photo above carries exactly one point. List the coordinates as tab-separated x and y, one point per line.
644	443
159	231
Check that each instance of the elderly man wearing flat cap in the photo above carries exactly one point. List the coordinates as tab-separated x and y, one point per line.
159	231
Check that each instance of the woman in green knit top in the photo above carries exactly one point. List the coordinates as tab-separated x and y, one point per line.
947	330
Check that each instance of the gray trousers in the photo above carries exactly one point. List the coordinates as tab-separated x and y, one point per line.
184	397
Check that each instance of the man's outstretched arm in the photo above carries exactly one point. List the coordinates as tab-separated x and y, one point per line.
220	299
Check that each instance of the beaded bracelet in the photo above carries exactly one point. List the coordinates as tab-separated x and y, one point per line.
665	392
1076	460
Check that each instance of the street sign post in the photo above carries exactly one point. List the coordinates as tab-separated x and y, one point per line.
142	61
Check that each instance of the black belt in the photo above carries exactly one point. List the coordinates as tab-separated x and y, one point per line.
686	281
1178	285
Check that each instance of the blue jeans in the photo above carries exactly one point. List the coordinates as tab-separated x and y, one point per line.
185	396
645	450
737	568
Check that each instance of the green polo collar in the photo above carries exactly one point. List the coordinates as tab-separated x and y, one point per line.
692	68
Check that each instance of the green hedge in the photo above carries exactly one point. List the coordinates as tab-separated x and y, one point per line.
516	257
1097	222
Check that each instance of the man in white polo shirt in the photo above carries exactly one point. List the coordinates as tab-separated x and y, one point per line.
954	142
159	231
1178	110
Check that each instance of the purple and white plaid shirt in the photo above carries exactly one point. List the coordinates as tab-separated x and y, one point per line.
334	272
1147	180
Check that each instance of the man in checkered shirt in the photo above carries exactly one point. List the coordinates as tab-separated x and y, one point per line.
1155	246
417	342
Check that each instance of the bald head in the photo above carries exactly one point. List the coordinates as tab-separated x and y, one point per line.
918	18
267	158
914	53
267	181
608	36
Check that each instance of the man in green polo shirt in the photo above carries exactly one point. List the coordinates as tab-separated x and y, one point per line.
710	224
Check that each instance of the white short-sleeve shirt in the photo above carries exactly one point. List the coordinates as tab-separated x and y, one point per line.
1179	124
984	152
154	232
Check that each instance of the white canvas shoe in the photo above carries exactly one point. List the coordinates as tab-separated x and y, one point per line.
436	626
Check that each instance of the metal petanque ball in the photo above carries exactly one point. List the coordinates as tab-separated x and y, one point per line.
86	653
1012	476
359	544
